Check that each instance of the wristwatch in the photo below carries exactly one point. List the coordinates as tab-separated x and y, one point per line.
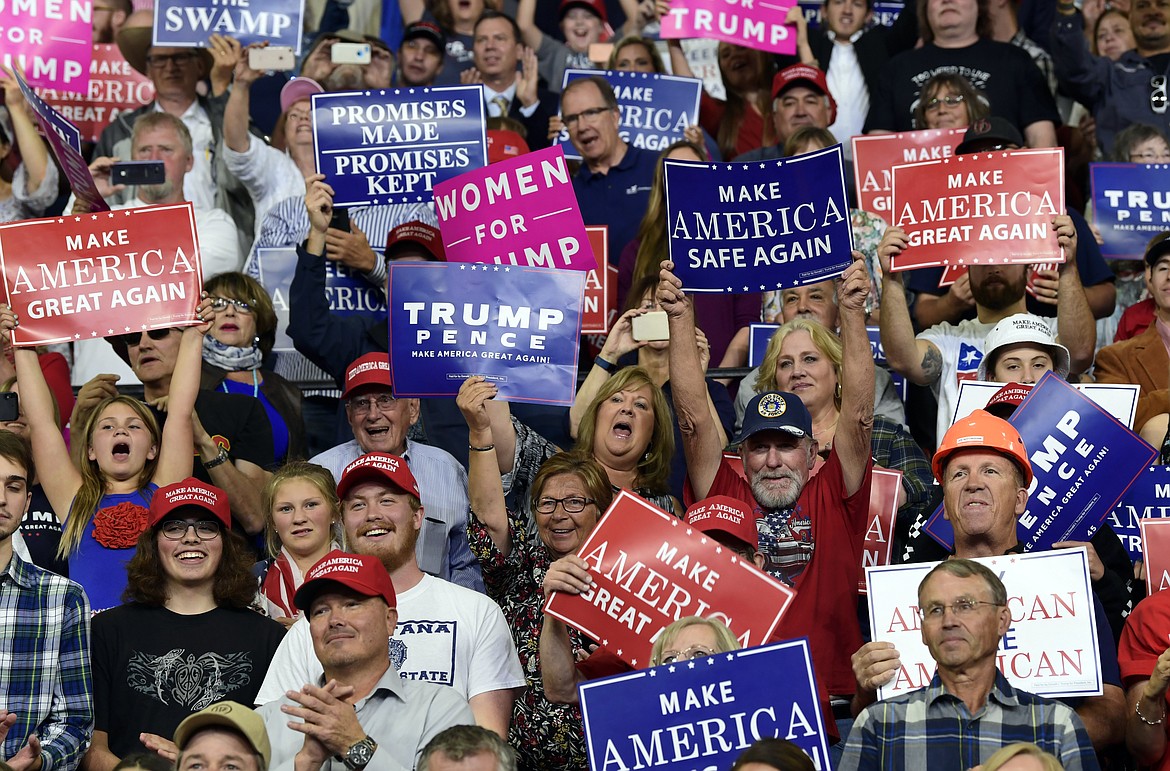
218	460
359	755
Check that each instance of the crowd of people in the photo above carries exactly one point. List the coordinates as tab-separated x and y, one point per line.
218	555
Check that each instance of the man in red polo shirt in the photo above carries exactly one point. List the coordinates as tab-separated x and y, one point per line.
811	530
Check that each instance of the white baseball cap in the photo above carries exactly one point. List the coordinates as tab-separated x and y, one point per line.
1023	328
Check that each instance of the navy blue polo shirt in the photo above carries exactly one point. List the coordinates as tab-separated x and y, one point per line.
617	198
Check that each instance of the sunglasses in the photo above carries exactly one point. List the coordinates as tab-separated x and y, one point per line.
131	339
1158	94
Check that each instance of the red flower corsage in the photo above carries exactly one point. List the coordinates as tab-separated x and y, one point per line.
118	527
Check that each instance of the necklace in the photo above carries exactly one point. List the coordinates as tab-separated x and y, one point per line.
255	386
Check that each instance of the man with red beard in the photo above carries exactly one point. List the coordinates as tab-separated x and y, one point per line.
446	634
947	353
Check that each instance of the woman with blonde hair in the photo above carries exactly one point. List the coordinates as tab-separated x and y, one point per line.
692	637
1022	756
301	516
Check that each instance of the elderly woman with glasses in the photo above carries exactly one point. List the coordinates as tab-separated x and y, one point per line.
186	636
570	491
233	358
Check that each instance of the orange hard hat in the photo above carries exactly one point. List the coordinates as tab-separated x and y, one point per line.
982	431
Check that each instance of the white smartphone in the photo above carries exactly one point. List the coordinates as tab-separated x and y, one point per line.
274	58
651	326
351	53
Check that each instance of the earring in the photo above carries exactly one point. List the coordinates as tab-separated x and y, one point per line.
837	392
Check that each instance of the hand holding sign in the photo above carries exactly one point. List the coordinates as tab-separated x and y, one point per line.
854	286
569	574
670	295
874	665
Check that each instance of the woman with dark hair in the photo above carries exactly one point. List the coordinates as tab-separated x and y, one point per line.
233	358
186	637
569	493
948	100
1112	34
719	316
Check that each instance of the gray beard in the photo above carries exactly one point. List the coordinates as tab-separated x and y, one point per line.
772	500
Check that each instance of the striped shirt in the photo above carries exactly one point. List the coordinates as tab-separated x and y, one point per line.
931	729
45	677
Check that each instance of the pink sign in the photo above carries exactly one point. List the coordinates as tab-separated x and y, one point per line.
114	87
755	24
50	40
521	211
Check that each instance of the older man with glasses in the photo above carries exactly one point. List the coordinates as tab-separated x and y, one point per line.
380	423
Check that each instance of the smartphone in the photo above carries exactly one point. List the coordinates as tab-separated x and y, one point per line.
340	219
138	173
651	326
9	407
351	53
274	58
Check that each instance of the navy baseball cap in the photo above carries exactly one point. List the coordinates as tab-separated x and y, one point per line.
776	411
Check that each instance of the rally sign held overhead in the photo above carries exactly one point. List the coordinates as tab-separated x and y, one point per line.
1131	205
50	40
83	277
751	227
702	713
65	142
655	109
1051	648
876	155
600	309
192	22
394	145
650	569
114	87
346	291
879	527
521	211
979	209
517	327
757	24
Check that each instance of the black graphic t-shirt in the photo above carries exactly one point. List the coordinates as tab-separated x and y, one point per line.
152	667
1014	86
42	533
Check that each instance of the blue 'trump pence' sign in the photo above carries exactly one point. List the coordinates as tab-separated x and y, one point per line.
749	227
516	326
702	713
393	145
192	22
1131	204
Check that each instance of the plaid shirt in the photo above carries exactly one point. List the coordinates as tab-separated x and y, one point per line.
44	663
931	729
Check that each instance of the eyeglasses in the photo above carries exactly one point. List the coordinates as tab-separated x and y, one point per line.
954	100
962	607
1150	156
591	113
572	505
205	529
1158	94
363	404
160	61
131	339
693	652
221	304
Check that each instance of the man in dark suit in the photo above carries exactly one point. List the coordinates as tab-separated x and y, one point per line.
509	92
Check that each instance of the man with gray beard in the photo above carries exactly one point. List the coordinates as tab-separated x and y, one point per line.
811	527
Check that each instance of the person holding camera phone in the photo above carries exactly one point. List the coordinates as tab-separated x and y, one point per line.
642	330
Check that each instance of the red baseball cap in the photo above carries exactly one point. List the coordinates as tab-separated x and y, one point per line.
371	369
726	515
596	6
415	232
504	144
1004	401
360	572
378	467
189	492
810	76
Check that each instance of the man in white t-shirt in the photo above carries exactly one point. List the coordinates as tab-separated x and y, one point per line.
947	353
446	634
